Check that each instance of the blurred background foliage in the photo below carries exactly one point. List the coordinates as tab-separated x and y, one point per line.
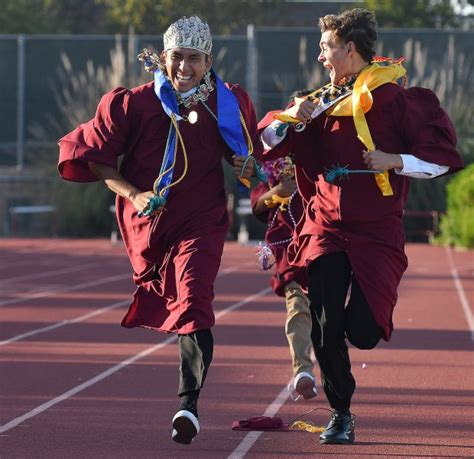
457	224
225	16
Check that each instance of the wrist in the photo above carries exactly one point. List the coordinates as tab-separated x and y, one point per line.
398	162
131	195
277	189
284	193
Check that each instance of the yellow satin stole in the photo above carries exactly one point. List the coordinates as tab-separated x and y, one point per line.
371	77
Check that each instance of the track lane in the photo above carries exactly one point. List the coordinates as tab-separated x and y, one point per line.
414	398
43	407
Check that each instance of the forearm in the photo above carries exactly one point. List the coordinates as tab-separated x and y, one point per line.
114	180
402	164
260	206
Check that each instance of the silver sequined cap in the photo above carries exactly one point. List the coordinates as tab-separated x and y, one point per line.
188	33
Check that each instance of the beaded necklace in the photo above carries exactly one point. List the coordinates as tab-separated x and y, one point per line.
330	92
293	221
152	63
229	127
201	94
264	251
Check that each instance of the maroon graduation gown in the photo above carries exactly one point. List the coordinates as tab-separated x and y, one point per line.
281	230
352	215
175	256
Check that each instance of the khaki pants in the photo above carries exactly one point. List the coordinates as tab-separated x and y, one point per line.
298	328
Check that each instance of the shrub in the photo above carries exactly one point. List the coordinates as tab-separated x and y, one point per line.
83	209
457	225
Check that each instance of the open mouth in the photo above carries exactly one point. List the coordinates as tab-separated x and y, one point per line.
183	78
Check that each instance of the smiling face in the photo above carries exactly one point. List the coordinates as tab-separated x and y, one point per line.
185	67
336	56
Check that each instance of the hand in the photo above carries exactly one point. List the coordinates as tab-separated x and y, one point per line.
141	200
249	168
286	187
305	110
379	160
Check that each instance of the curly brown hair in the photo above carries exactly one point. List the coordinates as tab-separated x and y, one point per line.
357	25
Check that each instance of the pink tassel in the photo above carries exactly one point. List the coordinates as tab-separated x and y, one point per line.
265	257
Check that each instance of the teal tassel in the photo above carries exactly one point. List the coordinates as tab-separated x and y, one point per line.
338	172
154	203
259	172
281	129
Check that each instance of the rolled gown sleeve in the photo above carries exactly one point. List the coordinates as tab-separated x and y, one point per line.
101	140
426	128
281	149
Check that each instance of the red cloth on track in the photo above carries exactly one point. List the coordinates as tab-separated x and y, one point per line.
262	423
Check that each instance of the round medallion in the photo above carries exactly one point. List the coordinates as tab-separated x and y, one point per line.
193	117
300	127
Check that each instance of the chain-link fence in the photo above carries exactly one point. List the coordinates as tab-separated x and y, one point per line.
270	63
50	83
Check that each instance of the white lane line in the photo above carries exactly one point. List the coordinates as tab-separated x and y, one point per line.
462	295
94	283
70	269
37	331
75	390
249	440
43	407
97	312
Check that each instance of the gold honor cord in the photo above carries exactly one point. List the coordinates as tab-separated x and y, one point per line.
157	180
185	156
245	181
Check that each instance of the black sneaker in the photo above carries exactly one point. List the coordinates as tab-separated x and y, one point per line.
185	427
340	430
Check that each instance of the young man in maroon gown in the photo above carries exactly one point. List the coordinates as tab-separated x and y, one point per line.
357	141
278	204
172	134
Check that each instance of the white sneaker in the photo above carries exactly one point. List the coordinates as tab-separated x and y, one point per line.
185	427
304	385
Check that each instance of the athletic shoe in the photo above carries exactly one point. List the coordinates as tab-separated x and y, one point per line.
185	427
304	385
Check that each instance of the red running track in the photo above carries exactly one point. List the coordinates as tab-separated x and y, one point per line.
75	384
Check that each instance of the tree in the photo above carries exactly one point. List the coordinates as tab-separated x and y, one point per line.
223	16
50	16
412	13
152	17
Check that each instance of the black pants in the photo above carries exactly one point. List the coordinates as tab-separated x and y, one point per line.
195	353
329	279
